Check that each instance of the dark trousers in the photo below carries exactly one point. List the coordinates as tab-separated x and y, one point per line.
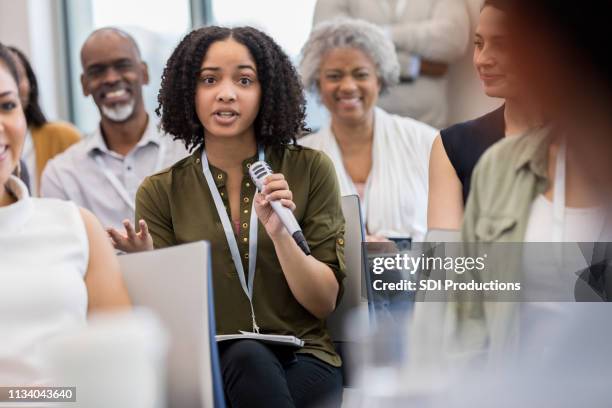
259	375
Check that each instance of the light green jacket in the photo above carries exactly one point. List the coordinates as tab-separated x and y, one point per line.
505	182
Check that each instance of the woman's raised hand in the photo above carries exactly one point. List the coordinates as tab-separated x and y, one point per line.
131	241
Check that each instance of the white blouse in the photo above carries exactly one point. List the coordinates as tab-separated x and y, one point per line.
549	281
44	253
395	202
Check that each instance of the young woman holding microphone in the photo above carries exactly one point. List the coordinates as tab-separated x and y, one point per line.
234	98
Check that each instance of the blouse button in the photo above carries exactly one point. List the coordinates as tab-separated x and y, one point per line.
244	225
245	239
219	176
197	160
248	184
340	241
246	256
246	211
245	199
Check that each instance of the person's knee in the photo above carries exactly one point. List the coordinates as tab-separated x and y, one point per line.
253	375
313	383
248	356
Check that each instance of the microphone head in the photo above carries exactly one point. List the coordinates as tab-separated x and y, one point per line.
258	172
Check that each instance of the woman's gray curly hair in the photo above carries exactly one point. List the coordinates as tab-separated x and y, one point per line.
349	33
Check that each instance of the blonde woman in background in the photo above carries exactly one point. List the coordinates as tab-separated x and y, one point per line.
458	148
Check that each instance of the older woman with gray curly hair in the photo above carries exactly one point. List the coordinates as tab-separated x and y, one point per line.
383	158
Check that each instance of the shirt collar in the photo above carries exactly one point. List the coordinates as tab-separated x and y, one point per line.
533	152
95	142
219	175
246	164
152	134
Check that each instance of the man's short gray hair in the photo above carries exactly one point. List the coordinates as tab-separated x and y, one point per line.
349	33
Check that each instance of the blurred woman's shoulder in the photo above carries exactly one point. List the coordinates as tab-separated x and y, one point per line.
316	140
59	130
490	125
411	124
402	134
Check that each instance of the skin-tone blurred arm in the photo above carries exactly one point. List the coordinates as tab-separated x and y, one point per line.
311	282
105	287
428	67
445	204
433	68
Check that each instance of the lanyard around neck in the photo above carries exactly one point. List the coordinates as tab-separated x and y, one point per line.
231	238
117	185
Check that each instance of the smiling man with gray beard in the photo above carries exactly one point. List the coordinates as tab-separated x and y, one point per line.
103	172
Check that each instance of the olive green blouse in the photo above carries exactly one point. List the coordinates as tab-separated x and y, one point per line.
178	207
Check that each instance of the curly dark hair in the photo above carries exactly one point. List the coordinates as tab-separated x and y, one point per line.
33	112
281	116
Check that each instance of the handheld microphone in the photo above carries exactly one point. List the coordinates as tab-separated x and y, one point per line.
258	172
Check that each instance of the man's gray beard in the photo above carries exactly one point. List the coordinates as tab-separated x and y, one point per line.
120	112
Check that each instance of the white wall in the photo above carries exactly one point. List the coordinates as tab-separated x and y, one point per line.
14	24
34	27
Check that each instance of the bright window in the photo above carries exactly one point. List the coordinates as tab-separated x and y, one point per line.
156	25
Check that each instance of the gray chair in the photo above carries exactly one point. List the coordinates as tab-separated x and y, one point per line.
354	299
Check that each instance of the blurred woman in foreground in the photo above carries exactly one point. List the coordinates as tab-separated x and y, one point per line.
551	185
56	262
